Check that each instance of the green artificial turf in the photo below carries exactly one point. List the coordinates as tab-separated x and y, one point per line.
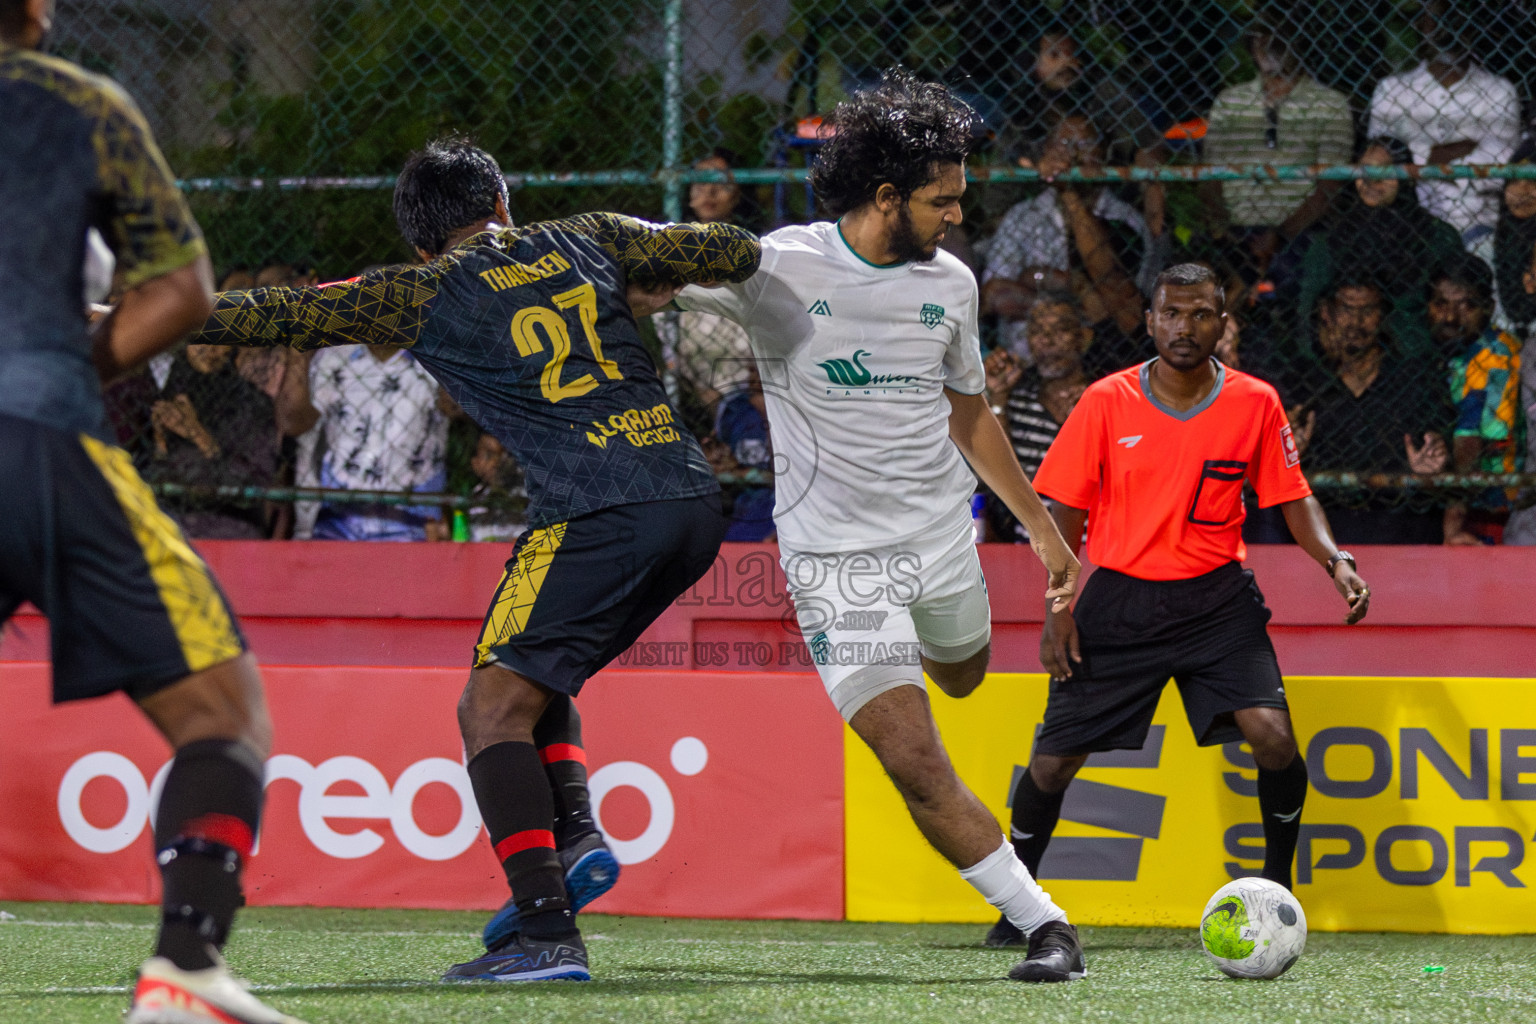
69	963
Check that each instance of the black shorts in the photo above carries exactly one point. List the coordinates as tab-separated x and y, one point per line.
1207	633
130	605
576	595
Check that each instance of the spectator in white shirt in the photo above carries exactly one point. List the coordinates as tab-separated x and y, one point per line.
382	430
1450	110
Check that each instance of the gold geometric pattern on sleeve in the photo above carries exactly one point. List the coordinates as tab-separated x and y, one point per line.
387	306
671	253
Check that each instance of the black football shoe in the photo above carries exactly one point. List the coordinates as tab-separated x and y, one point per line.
521	958
1054	955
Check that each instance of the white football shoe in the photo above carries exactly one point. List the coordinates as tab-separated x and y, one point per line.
166	994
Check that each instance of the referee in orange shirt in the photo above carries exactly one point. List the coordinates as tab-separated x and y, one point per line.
1154	458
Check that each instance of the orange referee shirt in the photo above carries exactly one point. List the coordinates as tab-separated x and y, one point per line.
1164	489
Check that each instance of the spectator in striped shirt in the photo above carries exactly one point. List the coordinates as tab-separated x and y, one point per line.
1032	402
1282	116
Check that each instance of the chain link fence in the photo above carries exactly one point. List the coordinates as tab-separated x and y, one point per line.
1359	172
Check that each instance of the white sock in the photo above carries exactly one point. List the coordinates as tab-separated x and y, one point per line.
1004	881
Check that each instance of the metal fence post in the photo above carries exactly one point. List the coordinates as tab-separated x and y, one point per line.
672	115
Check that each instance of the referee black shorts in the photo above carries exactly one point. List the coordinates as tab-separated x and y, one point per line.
577	594
130	605
1206	633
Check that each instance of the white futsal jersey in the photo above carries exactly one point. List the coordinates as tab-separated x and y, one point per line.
854	360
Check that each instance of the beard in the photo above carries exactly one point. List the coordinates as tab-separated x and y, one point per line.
1450	337
905	243
1354	344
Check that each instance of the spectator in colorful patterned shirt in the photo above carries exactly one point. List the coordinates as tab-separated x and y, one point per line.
382	430
1282	116
1521	528
1484	367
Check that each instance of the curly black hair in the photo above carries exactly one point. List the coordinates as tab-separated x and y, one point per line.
894	133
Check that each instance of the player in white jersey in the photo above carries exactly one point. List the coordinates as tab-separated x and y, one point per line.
866	341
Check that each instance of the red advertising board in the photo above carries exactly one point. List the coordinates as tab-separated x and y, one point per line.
722	793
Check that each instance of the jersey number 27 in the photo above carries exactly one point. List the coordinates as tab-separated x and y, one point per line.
526	328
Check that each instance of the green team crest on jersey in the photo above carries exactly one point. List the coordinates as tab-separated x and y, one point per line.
821	649
931	315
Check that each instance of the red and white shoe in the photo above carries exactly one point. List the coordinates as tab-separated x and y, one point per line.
166	994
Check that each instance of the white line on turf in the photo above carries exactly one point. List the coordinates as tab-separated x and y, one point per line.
439	933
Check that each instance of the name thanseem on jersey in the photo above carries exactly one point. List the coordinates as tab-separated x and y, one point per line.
501	278
636	426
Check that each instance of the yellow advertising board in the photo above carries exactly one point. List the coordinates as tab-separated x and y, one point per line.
1421	815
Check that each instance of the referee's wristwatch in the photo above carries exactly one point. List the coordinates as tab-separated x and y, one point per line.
1340	556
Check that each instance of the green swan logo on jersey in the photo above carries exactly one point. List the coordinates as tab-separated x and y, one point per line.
850	374
931	315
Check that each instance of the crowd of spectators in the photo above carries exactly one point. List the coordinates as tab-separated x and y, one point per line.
1389	314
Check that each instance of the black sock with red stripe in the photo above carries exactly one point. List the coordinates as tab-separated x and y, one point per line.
518	810
209	811
558	737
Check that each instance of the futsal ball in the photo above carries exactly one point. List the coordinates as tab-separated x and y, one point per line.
1253	928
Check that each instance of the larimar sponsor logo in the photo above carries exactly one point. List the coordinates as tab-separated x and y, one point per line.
640	427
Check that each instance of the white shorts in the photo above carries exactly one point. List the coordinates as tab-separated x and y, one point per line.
870	616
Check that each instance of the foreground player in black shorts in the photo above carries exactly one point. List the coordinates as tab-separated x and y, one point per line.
530	330
1155	458
130	606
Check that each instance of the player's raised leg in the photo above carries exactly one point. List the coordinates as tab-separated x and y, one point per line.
898	726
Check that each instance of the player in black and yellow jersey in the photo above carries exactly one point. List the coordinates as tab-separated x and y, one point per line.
131	606
530	329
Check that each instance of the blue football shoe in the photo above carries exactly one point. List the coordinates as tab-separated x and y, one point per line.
591	869
522	958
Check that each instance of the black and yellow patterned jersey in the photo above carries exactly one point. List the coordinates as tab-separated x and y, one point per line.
530	331
77	155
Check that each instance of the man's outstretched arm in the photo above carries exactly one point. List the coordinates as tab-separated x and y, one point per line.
673	254
383	307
